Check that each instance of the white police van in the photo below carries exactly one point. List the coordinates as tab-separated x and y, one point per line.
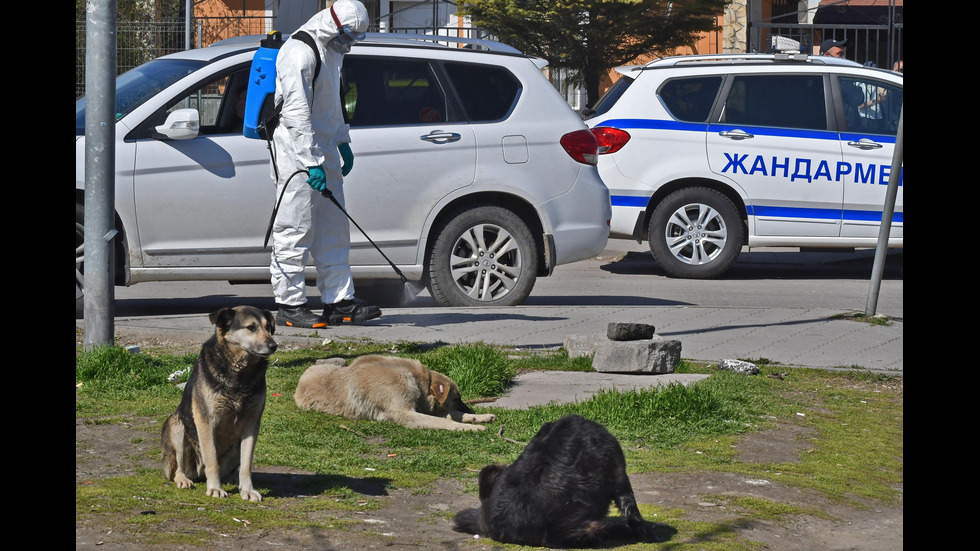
705	154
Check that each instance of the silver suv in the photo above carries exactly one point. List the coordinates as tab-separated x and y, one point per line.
706	154
473	175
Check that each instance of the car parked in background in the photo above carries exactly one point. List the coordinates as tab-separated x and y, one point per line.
705	154
473	175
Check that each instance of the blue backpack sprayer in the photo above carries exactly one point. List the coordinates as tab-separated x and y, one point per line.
262	117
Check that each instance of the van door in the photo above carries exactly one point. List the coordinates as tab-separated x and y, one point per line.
772	138
870	110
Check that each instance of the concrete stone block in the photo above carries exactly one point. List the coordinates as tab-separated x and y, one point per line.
656	355
578	346
739	366
617	331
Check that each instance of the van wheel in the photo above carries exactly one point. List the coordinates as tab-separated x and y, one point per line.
696	233
79	260
483	256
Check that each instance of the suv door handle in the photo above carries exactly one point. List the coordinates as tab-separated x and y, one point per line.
439	136
736	135
865	143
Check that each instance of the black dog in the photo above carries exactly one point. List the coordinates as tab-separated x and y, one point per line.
557	493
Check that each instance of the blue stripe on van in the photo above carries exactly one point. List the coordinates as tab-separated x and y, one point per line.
654	124
822	214
657	124
628	201
804	213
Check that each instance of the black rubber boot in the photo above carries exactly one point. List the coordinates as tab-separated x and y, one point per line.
350	311
299	316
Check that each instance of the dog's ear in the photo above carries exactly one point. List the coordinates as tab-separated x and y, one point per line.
488	475
440	387
222	318
270	322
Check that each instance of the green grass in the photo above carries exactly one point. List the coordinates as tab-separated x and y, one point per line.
876	319
853	453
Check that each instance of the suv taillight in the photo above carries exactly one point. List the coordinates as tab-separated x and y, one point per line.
581	146
610	140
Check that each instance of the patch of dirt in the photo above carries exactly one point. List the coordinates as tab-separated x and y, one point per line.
422	520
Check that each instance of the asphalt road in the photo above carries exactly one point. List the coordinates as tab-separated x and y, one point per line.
624	275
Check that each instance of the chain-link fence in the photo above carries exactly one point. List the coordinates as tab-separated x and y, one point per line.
139	42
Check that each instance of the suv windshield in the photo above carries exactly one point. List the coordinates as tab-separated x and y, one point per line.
140	84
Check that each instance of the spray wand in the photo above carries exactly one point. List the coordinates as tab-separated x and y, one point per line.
410	290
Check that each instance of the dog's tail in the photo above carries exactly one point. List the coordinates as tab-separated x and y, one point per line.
469	521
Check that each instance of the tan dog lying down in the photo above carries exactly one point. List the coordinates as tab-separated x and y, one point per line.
387	388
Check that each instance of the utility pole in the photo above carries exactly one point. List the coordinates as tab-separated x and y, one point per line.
894	177
100	167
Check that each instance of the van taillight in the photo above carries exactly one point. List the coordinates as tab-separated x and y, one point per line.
581	146
610	140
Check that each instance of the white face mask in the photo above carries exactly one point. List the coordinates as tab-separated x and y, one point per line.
346	36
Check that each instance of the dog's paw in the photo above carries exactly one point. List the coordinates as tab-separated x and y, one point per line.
217	492
478	418
646	533
182	481
251	495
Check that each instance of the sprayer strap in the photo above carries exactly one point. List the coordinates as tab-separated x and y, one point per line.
305	38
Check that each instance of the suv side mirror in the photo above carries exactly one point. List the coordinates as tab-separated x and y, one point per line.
182	124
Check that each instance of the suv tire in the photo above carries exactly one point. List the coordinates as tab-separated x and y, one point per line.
482	256
79	260
696	233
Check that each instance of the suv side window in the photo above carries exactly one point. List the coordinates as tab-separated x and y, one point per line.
391	91
871	106
487	93
220	103
690	99
787	101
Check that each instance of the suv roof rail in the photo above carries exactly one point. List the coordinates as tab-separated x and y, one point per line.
674	61
436	39
397	38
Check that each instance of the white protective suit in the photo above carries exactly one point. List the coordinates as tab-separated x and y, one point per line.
308	225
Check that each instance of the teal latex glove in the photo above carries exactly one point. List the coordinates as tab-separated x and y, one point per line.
317	179
347	156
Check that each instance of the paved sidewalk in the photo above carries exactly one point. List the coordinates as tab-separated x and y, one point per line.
804	337
724	319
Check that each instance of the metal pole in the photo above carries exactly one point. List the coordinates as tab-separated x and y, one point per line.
188	11
894	177
100	161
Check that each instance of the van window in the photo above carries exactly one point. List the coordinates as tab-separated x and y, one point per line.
610	98
690	99
871	106
782	101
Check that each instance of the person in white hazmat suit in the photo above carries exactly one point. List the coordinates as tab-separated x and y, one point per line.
312	135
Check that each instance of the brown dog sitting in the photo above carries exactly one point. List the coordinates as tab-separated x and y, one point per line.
387	388
214	430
